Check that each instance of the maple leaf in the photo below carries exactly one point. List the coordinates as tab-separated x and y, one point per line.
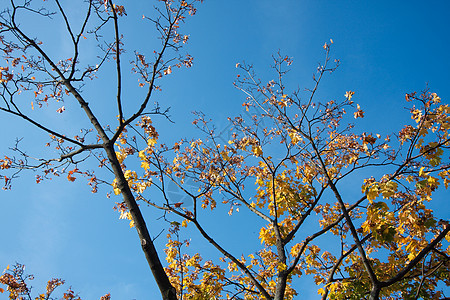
152	142
257	150
70	176
145	165
349	95
359	112
369	139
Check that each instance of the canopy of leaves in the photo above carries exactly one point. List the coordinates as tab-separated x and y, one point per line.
296	164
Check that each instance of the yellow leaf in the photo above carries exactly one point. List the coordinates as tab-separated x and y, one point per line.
120	156
372	191
141	186
436	98
295	138
125	215
116	191
349	95
151	142
225	156
281	266
145	165
321	291
432	180
257	150
142	155
359	112
389	189
421	172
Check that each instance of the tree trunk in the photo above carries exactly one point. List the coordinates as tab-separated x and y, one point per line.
281	285
375	293
168	292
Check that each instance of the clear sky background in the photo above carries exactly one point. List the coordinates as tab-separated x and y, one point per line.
386	49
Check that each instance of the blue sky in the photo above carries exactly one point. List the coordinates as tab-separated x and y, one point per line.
386	48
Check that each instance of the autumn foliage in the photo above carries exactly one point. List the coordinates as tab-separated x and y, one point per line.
18	286
290	162
344	208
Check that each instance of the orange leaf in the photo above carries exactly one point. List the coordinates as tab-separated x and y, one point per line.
69	175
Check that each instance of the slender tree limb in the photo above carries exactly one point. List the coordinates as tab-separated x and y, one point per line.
233	259
118	68
40	126
399	276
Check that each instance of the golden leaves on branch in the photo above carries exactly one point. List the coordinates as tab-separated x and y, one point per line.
189	274
391	214
124	212
257	150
